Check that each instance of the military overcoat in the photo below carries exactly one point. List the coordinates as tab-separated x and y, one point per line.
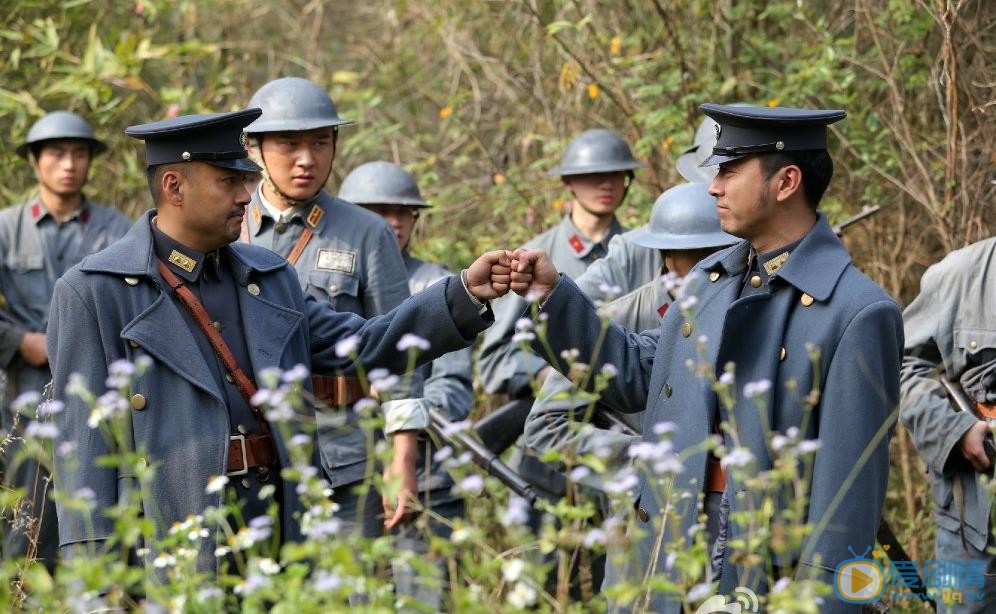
114	306
820	308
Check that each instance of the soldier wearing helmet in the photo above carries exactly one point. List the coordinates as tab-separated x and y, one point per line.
390	191
597	168
40	240
343	255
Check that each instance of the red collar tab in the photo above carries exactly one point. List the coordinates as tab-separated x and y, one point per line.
576	243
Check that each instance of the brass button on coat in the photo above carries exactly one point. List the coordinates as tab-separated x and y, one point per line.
228	376
280	228
138	401
253	289
686	329
131	281
973	344
806	300
133	343
782	353
667	390
642	513
216	324
755	281
333	288
714	276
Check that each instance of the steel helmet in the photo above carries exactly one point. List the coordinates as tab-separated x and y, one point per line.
61	125
293	104
381	183
683	217
596	151
688	162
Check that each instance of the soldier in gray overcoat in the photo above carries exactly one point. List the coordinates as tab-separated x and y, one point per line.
951	333
816	347
189	413
40	240
343	255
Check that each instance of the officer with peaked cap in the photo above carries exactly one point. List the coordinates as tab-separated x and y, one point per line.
178	294
343	255
41	239
391	192
815	345
597	167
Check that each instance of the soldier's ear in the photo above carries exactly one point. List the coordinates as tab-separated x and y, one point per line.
788	183
171	185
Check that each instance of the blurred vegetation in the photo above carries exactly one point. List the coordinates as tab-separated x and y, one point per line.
479	98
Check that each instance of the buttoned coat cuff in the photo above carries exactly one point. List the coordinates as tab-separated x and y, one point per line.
405	415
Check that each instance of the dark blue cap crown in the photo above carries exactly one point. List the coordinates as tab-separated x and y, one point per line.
214	138
743	130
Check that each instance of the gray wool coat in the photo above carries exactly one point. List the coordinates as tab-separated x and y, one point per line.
951	326
114	305
818	300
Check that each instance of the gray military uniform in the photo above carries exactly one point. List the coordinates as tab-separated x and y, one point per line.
504	366
951	326
352	262
35	250
626	266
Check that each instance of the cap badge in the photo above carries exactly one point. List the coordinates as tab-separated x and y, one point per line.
780	145
719	129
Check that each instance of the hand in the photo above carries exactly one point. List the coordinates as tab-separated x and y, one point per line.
33	349
533	274
972	448
399	478
488	277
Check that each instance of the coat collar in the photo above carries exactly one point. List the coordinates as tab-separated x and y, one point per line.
134	256
814	268
314	215
581	245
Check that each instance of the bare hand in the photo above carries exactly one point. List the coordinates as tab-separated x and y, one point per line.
33	349
971	446
488	276
533	274
399	477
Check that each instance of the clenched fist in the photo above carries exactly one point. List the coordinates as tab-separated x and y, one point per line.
533	274
489	276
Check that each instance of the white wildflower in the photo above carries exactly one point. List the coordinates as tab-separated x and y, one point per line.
409	341
345	348
216	484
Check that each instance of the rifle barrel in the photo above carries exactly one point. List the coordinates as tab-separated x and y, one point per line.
483	457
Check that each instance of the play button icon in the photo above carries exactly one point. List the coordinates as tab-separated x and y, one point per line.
859	580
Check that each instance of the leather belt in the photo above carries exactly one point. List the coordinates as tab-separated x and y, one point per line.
247	452
985	411
715	476
336	390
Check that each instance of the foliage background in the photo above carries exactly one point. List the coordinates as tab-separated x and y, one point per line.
479	98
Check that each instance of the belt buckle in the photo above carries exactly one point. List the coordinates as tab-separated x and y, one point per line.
245	461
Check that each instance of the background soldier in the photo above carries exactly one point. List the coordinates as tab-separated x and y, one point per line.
343	255
759	305
951	334
388	190
597	168
166	292
39	241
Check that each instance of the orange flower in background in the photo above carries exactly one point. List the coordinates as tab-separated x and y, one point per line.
666	143
615	46
593	91
499	178
445	112
557	204
772	102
